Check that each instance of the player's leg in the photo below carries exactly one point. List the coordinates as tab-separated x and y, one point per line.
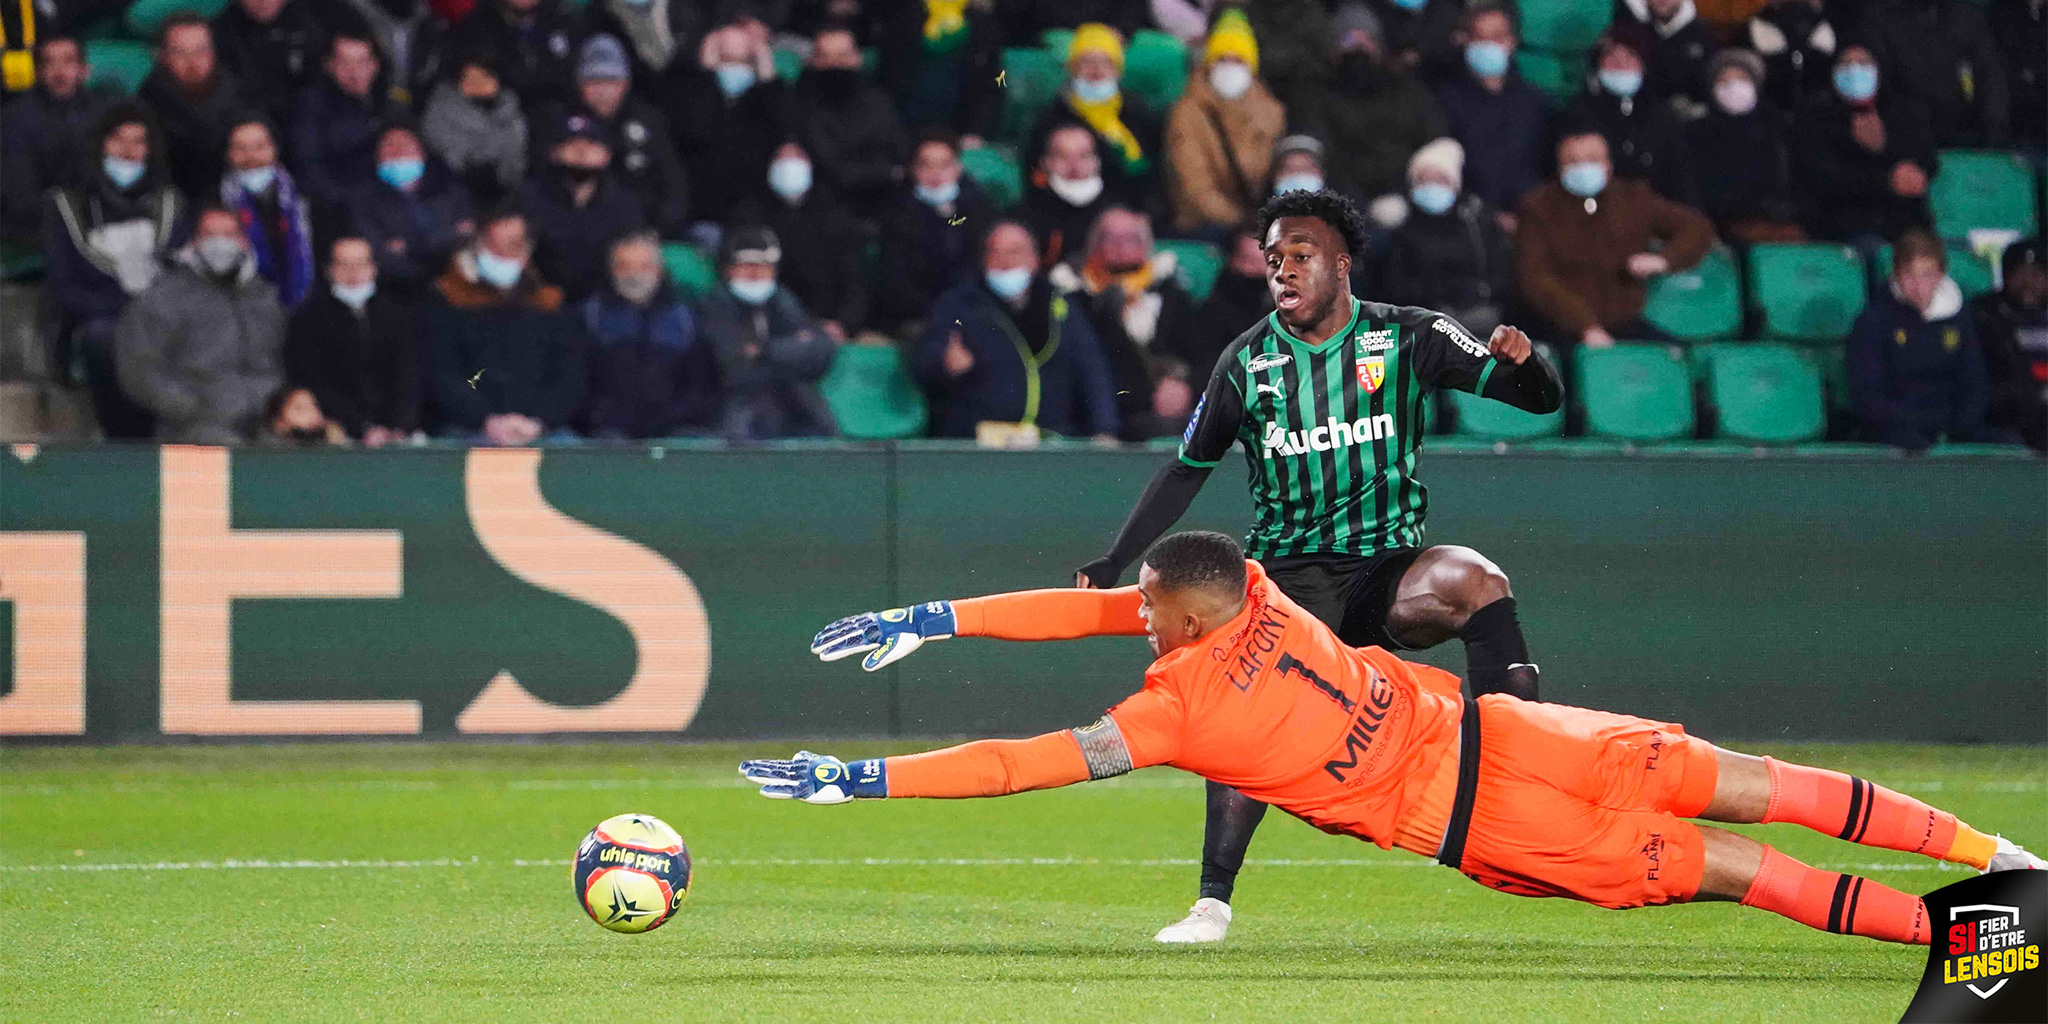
1455	591
1740	869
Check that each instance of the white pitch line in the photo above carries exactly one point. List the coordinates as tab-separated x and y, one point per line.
779	862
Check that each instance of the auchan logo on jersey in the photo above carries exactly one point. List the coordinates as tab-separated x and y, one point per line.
1333	434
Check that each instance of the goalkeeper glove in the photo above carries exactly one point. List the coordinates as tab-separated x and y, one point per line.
818	778
889	635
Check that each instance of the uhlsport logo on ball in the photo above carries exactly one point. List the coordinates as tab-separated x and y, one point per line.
632	873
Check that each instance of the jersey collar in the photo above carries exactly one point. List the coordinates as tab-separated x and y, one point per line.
1273	320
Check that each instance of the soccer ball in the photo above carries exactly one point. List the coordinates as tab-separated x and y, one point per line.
631	873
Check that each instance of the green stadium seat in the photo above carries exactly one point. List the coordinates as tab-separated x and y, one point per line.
1155	69
789	65
1983	189
1558	74
1806	291
1199	263
19	262
871	394
997	172
1962	450
1056	41
691	270
1486	419
1635	392
1972	272
121	63
146	16
1766	393
1563	24
1031	80
1700	304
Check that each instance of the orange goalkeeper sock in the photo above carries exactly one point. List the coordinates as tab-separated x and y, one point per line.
1850	808
1834	902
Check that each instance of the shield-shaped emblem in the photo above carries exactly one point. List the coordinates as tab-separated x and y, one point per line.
1372	371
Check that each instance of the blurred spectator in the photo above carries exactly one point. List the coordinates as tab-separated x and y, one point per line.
650	375
1026	20
201	348
270	46
929	233
45	130
1941	54
823	274
1297	164
940	60
352	346
1645	137
261	194
1421	35
1220	134
504	358
1185	20
1674	47
643	150
1065	192
770	355
1583	254
531	43
735	120
413	216
2012	324
576	207
1450	254
1499	118
1743	172
2022	30
1238	300
411	40
477	127
1002	349
847	126
1916	370
107	240
1294	39
1141	317
1126	132
1797	42
20	27
335	121
293	416
1862	156
195	102
1374	114
661	38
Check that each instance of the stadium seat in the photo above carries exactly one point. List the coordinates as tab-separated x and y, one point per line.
789	65
1563	24
1031	79
1155	69
996	171
1983	189
1806	291
871	394
121	63
1559	75
1971	271
691	270
146	16
1700	304
1056	41
1486	419
1765	393
1635	392
21	262
1200	262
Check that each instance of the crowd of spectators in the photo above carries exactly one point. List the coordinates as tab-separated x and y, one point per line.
370	220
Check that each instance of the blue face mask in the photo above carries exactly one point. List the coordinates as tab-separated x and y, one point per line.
1095	90
256	180
938	195
354	296
1620	82
751	292
122	173
400	173
1009	283
1856	82
734	79
1302	182
497	271
1433	197
1487	60
790	178
1411	5
1584	179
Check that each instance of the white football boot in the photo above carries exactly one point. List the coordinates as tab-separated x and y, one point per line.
2010	857
1207	921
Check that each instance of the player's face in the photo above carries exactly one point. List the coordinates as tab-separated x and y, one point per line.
1149	598
1306	269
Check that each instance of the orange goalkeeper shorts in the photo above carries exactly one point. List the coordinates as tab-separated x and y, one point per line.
1587	804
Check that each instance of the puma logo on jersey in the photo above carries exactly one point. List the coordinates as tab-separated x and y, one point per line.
1333	434
1270	389
1268	361
1470	344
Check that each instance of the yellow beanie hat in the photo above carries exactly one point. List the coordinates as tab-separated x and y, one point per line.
1232	37
1095	37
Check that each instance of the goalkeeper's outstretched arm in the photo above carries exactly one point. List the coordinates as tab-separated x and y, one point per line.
980	768
1025	615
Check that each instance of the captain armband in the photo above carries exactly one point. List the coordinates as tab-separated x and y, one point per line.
1102	747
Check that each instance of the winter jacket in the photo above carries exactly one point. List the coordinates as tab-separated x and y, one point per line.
1798	45
275	61
195	128
1942	55
1505	136
770	358
484	146
726	143
650	374
1846	188
202	355
1060	227
1915	377
1572	265
821	246
572	244
856	145
536	59
106	245
1741	168
1675	53
332	140
1141	338
1294	46
362	366
1049	343
42	140
1644	140
926	252
490	352
1219	154
1372	118
429	222
1458	262
644	158
1430	33
949	83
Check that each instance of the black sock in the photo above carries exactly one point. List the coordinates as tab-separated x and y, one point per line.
1226	834
1496	656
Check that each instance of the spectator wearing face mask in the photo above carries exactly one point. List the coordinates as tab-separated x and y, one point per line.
505	360
1674	46
1220	134
272	47
1065	192
1744	172
1916	370
1004	355
855	143
531	43
44	131
1862	156
643	149
576	207
1294	39
2012	324
195	102
661	38
650	374
1298	164
939	62
824	273
736	120
276	222
1126	132
770	355
352	347
478	129
1450	253
414	216
335	121
1797	42
929	233
1141	317
201	348
1646	139
1374	115
1500	119
1942	54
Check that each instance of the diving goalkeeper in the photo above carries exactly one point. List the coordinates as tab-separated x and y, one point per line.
1251	691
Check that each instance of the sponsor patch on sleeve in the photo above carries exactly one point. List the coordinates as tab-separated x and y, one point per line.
1449	328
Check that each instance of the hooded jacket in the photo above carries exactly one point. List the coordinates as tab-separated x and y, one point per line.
204	355
1914	376
1219	153
107	244
490	351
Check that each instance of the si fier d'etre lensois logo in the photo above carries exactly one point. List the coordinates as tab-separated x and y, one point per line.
1985	962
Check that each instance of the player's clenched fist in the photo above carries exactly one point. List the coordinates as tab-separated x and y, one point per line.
1510	344
889	635
817	778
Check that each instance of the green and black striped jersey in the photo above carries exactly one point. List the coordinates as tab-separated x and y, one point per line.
1330	431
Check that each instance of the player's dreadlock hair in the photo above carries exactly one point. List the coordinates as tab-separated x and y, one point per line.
1198	558
1331	208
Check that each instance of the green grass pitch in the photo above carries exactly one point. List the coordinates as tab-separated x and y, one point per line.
430	883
